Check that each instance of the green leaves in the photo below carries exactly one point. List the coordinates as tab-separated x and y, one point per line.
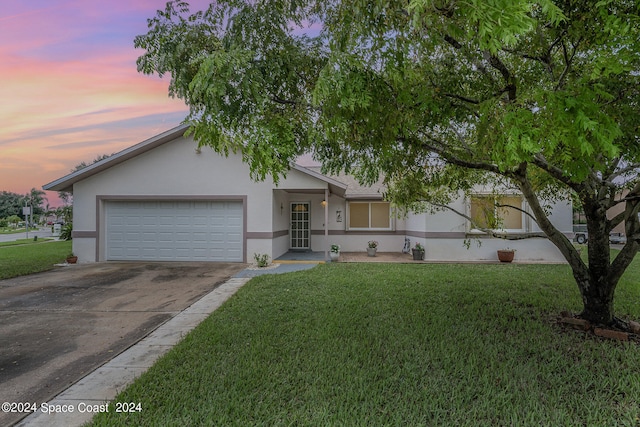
492	24
388	86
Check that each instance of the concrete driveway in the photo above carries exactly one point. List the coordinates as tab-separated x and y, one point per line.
57	326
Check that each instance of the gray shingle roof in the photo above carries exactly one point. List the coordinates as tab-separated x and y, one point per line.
355	190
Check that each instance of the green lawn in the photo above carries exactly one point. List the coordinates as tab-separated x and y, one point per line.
31	257
25	242
383	344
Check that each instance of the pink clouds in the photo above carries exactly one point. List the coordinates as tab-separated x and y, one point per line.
70	88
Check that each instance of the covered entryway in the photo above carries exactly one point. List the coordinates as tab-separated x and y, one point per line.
300	231
174	230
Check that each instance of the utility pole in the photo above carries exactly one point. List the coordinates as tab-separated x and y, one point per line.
26	210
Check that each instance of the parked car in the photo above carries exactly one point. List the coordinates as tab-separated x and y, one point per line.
580	233
617	238
582	236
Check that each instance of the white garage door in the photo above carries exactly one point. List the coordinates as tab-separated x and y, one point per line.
174	231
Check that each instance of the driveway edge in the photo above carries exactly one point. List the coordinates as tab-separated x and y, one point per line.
102	385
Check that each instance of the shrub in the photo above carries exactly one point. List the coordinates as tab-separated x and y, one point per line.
261	259
65	232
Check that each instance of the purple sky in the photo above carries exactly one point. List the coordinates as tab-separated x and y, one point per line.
70	88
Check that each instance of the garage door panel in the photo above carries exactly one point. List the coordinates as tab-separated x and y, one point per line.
166	230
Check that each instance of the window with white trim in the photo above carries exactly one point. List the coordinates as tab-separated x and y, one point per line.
497	212
369	216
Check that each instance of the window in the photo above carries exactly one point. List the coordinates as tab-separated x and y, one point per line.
487	212
369	216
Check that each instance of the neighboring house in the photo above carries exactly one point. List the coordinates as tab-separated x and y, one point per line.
165	200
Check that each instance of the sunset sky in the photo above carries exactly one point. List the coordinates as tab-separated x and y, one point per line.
70	88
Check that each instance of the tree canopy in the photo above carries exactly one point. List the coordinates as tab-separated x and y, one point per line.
12	203
435	95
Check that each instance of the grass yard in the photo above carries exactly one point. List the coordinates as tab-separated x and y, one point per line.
390	344
25	242
31	257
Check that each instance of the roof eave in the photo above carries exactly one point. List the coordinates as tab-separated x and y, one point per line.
336	187
66	182
376	196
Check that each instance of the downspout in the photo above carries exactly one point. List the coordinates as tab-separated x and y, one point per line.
326	224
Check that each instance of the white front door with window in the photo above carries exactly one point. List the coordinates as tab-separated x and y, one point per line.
300	225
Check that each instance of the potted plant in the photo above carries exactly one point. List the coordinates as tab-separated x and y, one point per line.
71	258
334	253
506	255
372	247
418	252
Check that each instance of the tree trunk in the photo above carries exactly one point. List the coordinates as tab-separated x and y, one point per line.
597	295
598	305
596	280
596	287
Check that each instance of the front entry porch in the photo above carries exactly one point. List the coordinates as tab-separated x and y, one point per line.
318	257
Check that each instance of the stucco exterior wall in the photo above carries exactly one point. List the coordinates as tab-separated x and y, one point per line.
172	169
177	169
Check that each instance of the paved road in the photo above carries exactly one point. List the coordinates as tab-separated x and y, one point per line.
44	232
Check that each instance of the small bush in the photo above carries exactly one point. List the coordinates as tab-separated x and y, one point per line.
65	232
261	259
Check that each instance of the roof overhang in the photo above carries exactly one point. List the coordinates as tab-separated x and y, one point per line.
335	187
66	182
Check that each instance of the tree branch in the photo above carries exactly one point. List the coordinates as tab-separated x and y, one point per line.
497	63
632	230
462	98
450	158
279	100
568	59
540	161
453	42
580	270
545	58
518	209
630	213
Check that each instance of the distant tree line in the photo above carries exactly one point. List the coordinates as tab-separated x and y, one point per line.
11	204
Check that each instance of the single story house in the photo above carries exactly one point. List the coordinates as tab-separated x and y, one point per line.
166	200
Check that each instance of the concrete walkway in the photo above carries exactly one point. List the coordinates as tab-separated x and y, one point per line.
91	393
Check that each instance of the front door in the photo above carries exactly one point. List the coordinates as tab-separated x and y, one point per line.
299	225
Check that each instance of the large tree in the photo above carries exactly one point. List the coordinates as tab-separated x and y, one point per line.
435	95
10	204
36	199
